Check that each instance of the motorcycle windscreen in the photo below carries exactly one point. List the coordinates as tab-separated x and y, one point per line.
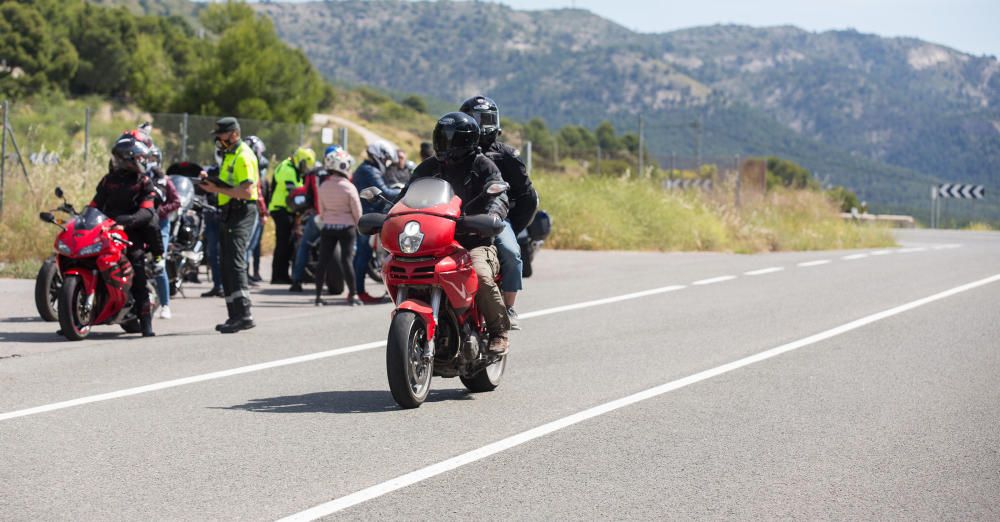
185	191
427	193
90	219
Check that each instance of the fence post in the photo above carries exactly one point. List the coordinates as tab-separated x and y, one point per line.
527	154
739	180
302	134
598	159
3	152
642	173
86	134
343	137
184	137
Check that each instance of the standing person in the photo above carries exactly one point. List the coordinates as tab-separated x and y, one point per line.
310	231
253	249
237	192
167	202
398	174
126	194
370	174
522	196
426	151
287	177
339	212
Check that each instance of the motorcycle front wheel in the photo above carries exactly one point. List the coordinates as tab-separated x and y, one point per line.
74	315
409	375
47	285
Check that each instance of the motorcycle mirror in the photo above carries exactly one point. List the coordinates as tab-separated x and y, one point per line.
59	192
47	217
369	194
497	188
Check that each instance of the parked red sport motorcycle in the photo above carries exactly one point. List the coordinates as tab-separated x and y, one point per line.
97	277
436	328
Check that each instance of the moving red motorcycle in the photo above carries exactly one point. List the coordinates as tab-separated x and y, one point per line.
436	328
97	277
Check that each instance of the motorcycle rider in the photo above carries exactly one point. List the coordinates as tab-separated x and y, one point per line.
126	194
459	161
522	196
287	177
371	173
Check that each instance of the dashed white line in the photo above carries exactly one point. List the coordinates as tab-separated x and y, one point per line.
946	247
881	252
911	250
852	257
763	271
378	490
814	263
714	280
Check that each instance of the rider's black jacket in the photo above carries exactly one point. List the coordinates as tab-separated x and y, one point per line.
522	196
127	198
468	179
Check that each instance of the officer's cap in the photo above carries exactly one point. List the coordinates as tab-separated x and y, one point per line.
227	124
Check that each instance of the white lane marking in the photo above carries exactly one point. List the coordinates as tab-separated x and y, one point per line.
713	280
599	302
763	271
128	392
911	250
814	263
433	470
946	247
881	252
852	257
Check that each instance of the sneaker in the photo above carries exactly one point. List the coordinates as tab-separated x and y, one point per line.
165	312
319	302
353	300
512	318
366	298
296	287
499	343
214	292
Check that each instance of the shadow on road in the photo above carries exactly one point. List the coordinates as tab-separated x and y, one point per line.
357	401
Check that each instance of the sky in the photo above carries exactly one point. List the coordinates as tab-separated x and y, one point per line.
971	26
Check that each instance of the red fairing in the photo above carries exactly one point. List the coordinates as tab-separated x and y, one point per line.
423	310
436	223
106	272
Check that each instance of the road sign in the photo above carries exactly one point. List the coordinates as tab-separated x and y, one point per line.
959	191
326	136
673	184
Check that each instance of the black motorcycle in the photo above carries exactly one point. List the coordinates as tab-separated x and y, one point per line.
186	249
531	239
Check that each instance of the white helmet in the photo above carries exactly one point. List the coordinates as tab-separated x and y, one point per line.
338	161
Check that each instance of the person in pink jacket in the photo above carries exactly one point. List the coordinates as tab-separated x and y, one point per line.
339	210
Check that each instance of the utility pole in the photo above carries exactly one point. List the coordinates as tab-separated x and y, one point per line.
598	158
641	171
184	137
86	134
3	152
697	146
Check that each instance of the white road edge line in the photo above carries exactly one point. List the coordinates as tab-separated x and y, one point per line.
295	360
763	271
444	466
714	280
814	263
852	257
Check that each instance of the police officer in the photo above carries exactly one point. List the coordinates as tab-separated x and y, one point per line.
237	190
288	175
522	196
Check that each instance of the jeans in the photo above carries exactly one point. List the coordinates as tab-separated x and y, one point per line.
162	282
254	240
309	234
362	256
212	247
509	253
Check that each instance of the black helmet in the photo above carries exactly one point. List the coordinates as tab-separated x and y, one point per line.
129	154
487	115
456	136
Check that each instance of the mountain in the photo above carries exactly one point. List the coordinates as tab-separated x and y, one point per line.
885	116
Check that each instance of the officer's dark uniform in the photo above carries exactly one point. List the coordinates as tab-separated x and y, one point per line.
237	220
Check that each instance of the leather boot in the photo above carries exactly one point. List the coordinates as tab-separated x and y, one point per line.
231	309
146	321
243	321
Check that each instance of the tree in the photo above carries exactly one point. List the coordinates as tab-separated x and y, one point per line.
416	103
31	57
104	40
606	137
789	174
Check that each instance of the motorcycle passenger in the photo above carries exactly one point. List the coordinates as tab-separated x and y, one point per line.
287	177
126	194
167	202
371	173
522	196
339	212
253	249
310	232
459	161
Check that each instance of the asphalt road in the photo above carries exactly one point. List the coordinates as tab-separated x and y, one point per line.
643	386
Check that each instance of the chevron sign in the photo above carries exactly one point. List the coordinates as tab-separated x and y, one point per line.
672	184
960	191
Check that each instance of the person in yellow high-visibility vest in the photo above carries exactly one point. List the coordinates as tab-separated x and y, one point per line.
237	190
288	176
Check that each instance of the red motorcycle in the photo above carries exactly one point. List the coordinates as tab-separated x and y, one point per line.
436	327
97	277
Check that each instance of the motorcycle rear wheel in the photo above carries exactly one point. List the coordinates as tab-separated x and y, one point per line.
47	285
74	318
409	375
488	379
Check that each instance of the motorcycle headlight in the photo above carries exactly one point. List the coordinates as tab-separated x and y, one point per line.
92	249
411	238
62	248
